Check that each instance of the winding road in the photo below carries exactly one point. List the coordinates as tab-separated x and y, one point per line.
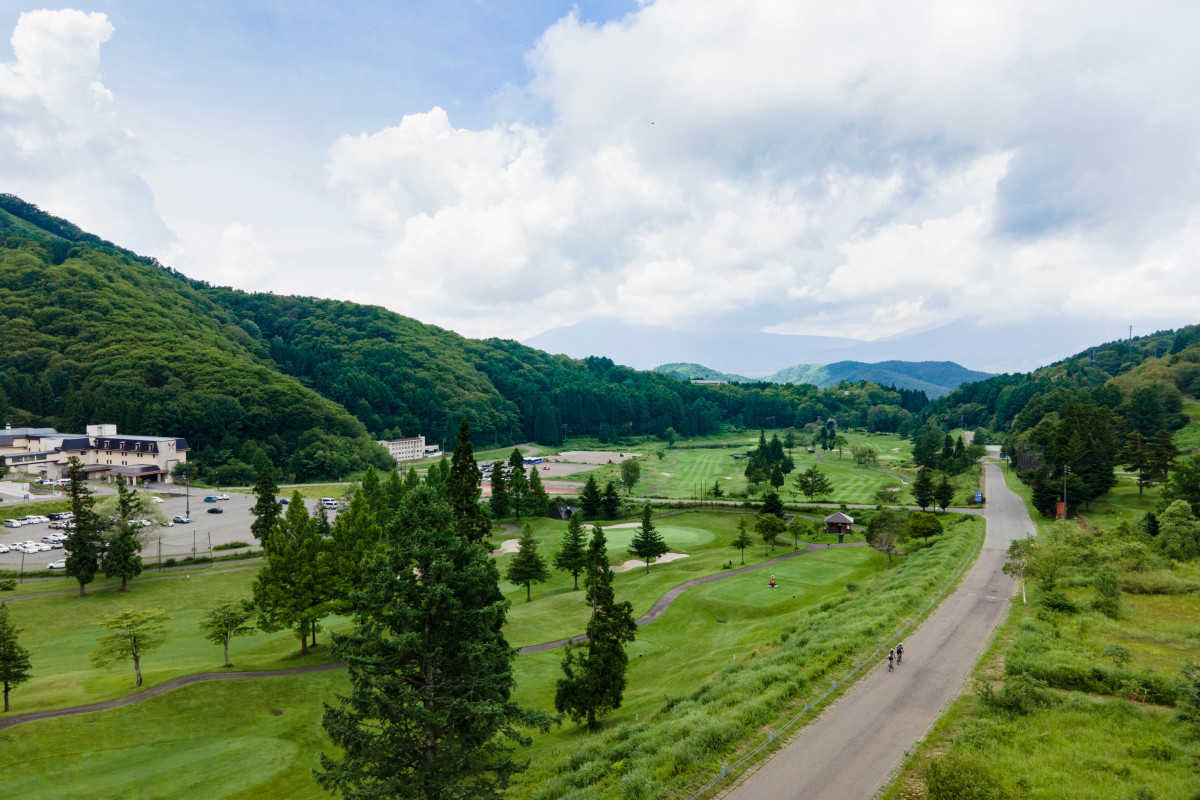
856	745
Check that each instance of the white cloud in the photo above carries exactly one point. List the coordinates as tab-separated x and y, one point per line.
61	142
851	168
242	260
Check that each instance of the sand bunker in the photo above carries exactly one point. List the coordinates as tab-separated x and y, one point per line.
623	525
507	546
666	474
633	563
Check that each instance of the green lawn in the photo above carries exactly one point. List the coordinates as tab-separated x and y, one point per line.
558	611
236	747
684	472
61	630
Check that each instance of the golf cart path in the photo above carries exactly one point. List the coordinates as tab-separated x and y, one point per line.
162	688
656	611
664	602
853	748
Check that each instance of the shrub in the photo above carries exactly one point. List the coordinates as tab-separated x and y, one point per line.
170	562
1020	695
230	546
1057	601
963	777
7	585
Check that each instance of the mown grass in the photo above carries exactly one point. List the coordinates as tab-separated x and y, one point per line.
1080	737
686	472
683	740
676	655
61	630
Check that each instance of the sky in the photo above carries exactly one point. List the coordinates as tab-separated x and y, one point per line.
856	169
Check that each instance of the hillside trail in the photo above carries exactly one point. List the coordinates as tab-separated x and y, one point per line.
854	747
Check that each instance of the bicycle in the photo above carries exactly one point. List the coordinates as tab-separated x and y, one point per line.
899	654
891	656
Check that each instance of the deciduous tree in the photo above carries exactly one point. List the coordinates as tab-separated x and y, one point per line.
1018	560
631	473
225	620
131	636
924	525
742	539
769	527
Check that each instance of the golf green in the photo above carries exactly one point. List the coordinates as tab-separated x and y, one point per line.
678	539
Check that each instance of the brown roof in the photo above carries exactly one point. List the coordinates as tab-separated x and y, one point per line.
840	518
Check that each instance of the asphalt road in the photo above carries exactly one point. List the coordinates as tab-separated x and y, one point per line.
853	748
177	541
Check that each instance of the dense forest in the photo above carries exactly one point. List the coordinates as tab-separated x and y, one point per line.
96	333
1068	426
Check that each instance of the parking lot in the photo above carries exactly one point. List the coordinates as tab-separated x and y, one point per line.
175	541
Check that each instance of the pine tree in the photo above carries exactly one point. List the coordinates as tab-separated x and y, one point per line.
15	665
772	505
518	483
412	479
266	509
83	543
716	489
539	501
1045	493
647	544
922	490
500	502
742	540
590	501
593	681
429	711
122	559
294	588
944	493
1135	455
527	566
355	536
1160	455
572	552
611	501
373	492
463	491
813	483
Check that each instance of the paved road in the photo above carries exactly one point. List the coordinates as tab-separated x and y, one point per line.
852	749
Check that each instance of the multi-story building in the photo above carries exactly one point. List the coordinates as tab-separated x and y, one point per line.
405	449
104	453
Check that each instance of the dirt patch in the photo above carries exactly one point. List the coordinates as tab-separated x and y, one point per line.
633	563
593	456
507	546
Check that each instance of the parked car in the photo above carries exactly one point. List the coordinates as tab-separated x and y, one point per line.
49	538
3	548
216	510
12	523
212	498
57	565
157	499
182	520
222	497
283	501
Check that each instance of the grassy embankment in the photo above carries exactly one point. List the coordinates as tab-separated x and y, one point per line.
233	723
1060	721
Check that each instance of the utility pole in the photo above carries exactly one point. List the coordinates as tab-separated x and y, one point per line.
160	554
1066	472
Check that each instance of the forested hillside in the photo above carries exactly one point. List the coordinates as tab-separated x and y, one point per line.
1078	419
699	372
95	333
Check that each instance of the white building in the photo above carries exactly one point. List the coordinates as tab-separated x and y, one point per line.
104	453
405	449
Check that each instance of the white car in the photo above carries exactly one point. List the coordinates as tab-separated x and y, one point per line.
57	565
49	538
28	549
43	547
222	497
3	548
58	524
12	523
157	499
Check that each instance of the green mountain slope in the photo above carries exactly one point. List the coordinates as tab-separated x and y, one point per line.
95	333
935	378
698	372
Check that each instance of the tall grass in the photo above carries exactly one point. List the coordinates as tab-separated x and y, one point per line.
688	739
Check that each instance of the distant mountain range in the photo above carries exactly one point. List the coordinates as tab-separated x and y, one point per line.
1003	347
935	378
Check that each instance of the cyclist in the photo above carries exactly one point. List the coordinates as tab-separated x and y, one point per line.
899	652
891	659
